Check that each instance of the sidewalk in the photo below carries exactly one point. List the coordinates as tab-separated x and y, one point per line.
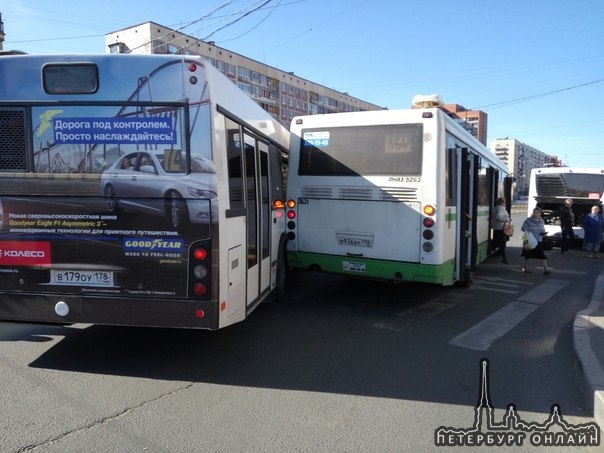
588	337
588	334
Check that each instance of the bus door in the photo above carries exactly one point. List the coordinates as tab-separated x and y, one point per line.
258	214
466	219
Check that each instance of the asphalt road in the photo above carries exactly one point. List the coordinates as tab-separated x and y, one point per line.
340	365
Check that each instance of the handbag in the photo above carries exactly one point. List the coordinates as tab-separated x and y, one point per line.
529	242
508	230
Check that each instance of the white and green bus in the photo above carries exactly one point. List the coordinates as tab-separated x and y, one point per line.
141	190
396	195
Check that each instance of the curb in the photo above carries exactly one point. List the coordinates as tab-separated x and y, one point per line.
589	364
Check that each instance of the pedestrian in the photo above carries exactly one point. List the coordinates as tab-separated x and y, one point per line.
567	222
593	226
536	226
501	219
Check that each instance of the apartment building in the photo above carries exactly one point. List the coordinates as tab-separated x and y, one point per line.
282	94
474	121
521	159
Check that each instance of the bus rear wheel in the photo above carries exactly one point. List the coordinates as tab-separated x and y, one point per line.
466	280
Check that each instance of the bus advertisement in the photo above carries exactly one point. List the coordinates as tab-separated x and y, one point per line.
135	190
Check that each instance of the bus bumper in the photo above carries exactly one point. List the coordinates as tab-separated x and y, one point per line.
45	309
394	271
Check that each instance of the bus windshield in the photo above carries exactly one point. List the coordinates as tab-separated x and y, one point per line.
579	185
366	150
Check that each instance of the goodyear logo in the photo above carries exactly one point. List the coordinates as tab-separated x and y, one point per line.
156	245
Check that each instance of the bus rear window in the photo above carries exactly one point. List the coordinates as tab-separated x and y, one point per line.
362	150
70	78
562	185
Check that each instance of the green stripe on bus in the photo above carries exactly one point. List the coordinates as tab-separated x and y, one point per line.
441	274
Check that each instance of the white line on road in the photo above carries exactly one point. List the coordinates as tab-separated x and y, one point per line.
504	281
544	291
481	336
486	288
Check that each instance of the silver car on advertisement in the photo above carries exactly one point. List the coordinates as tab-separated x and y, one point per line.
156	182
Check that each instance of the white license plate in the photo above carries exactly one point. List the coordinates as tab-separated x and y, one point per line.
355	241
81	278
353	267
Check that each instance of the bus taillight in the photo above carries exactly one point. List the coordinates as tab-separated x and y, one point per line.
278	204
429	210
278	209
291	215
428	232
200	254
199	269
200	289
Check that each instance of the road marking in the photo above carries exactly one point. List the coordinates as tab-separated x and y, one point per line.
481	336
486	288
566	271
492	284
503	281
544	291
433	307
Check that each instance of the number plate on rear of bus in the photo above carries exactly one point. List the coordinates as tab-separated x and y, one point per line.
81	278
355	240
353	267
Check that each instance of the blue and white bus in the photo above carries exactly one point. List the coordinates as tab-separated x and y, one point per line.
136	190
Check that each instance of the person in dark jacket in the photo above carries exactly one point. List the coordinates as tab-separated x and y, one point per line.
567	221
593	225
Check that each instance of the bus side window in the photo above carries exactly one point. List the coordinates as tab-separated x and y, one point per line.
234	156
451	176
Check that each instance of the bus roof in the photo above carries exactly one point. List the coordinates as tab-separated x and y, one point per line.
586	170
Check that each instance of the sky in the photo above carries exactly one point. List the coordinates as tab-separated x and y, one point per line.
536	67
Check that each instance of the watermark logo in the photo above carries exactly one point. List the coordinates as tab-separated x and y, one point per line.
513	430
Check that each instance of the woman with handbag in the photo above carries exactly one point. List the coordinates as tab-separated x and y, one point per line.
535	226
501	226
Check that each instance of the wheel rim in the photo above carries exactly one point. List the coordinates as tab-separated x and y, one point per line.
175	211
111	200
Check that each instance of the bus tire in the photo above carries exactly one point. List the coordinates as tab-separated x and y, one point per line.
466	281
281	276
